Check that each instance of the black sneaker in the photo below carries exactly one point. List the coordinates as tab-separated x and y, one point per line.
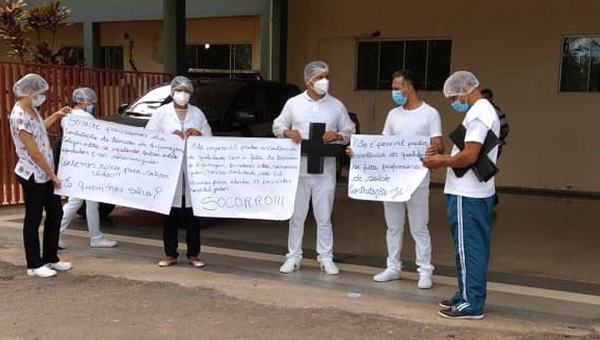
453	313
445	304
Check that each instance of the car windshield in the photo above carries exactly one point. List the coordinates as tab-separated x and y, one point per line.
148	104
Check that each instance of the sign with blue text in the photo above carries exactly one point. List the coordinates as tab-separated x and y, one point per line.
118	164
386	168
254	178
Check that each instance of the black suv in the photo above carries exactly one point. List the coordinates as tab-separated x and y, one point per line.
243	108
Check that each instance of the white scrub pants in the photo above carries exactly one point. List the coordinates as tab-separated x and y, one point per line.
91	214
418	218
322	190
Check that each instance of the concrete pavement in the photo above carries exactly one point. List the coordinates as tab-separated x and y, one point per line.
544	274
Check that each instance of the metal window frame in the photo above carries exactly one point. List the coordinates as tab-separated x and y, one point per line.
404	41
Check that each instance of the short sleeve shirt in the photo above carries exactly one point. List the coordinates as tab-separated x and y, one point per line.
26	167
422	121
478	120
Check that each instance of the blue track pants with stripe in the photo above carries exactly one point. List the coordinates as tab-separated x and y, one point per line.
470	224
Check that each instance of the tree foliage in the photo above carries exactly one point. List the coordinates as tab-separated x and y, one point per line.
17	22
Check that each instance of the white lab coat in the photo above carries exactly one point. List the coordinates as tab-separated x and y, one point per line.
297	114
165	120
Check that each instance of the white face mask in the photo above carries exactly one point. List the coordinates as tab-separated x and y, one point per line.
321	86
41	98
181	97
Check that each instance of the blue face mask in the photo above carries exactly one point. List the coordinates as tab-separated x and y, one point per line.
89	108
399	98
460	107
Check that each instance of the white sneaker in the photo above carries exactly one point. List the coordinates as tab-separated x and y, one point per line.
60	266
387	275
425	281
102	243
329	267
290	265
61	244
42	271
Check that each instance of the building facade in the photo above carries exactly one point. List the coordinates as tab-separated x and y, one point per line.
541	58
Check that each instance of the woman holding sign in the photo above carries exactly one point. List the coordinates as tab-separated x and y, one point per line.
84	100
182	119
36	174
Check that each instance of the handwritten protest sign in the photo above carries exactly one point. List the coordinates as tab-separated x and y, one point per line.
118	164
243	177
386	168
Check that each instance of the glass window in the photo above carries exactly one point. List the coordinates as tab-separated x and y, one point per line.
580	71
368	63
230	57
429	60
111	57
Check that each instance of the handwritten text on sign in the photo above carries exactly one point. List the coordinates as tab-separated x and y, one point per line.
386	168
118	164
243	177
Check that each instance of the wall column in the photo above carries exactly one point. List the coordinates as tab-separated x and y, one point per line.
91	43
174	37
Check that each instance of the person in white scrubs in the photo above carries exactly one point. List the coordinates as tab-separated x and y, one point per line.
412	117
181	118
84	101
315	105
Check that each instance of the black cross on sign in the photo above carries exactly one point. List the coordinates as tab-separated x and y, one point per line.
316	149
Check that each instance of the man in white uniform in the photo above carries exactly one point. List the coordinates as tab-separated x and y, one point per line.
412	117
314	105
469	193
84	100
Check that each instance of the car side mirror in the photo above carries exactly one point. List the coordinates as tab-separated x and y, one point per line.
122	108
244	118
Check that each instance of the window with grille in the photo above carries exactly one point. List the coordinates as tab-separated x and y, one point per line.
429	60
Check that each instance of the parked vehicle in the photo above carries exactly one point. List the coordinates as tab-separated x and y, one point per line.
244	108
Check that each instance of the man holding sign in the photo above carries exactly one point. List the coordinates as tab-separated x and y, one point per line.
315	105
412	117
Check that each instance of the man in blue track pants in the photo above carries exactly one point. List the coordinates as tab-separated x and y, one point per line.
470	191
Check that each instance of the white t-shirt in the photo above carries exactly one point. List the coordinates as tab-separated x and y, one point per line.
21	120
480	118
301	110
422	121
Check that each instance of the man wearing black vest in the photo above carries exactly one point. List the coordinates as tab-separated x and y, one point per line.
469	192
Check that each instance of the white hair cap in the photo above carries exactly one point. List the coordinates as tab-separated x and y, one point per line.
460	83
30	84
182	81
84	95
313	69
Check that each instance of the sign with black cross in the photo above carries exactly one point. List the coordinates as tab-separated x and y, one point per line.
315	149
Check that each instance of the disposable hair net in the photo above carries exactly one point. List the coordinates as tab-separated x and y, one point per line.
30	84
182	81
460	83
84	95
314	68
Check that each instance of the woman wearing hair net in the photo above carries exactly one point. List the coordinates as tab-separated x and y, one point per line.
469	200
182	119
35	172
315	105
84	100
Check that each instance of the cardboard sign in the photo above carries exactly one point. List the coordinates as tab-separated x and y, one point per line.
254	178
119	164
386	168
